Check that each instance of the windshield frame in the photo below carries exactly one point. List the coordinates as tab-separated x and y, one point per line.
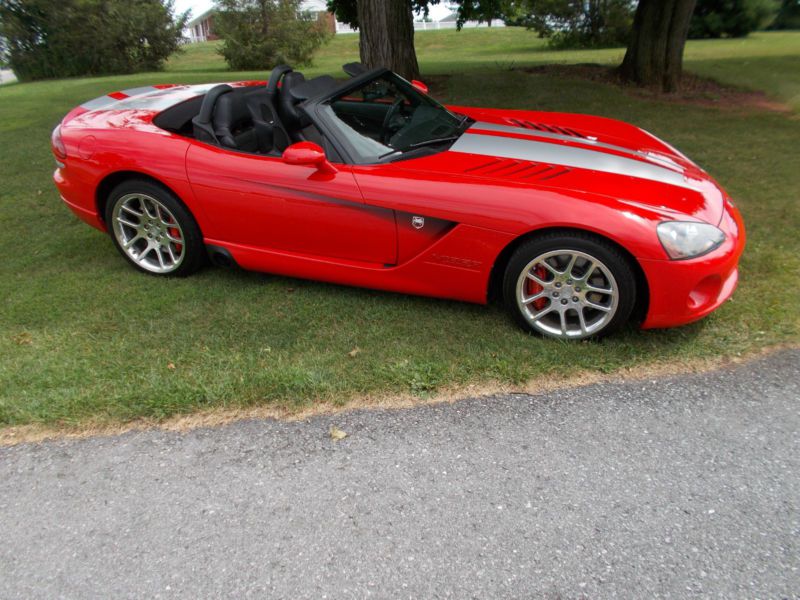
320	112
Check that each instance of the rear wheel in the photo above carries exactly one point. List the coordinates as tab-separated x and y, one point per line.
153	230
569	286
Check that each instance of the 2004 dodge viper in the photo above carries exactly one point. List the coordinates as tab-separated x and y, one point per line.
578	223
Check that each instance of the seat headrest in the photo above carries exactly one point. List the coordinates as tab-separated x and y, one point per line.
210	101
230	115
275	77
201	124
291	81
288	100
296	90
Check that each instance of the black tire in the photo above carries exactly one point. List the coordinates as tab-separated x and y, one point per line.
538	307
188	256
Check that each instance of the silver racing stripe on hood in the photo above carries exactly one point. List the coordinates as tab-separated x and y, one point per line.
586	141
568	156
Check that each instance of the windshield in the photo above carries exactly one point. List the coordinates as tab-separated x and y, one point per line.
388	117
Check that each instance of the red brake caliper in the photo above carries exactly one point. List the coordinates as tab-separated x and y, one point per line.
534	288
174	232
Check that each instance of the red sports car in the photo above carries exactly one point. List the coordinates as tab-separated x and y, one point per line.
579	223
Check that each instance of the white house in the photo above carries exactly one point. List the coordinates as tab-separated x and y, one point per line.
450	21
201	28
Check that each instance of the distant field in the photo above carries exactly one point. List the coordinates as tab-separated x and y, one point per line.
85	339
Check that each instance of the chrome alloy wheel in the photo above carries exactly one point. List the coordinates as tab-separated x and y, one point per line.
148	233
567	294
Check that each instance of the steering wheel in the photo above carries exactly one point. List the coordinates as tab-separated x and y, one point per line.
393	111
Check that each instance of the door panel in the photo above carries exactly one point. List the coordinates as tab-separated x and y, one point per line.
263	202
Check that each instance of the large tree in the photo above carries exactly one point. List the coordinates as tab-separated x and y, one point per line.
387	36
655	52
654	57
386	31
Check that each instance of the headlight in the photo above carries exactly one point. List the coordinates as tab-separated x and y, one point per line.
684	239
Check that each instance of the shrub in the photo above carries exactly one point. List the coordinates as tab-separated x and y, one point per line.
259	34
65	38
730	18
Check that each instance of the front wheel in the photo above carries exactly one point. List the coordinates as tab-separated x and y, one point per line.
569	286
153	230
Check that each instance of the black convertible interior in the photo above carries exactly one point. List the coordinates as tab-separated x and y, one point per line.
376	116
260	120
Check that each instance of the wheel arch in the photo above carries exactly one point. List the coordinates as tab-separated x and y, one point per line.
495	283
112	180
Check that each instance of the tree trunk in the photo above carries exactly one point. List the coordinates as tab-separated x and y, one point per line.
387	36
655	52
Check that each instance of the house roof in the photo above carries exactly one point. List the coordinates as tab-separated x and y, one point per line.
201	17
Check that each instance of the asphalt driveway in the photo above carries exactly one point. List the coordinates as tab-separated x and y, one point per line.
680	487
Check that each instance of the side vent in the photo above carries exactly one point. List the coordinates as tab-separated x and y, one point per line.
544	127
518	170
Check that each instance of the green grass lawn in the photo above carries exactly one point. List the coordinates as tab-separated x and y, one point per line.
84	338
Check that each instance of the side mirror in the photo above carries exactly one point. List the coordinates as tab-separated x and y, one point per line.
419	85
309	154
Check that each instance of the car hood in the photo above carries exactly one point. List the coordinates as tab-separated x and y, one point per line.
585	154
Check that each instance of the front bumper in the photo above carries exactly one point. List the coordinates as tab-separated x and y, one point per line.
683	291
